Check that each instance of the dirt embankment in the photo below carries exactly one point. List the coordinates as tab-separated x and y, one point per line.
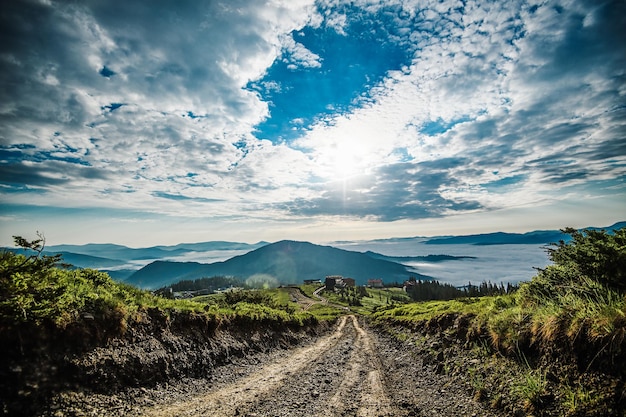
349	371
39	362
184	365
578	379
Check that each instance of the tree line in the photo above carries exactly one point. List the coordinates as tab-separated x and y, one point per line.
210	284
424	290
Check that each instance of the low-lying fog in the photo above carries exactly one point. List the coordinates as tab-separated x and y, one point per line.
495	263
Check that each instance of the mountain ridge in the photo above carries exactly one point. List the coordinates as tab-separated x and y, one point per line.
122	262
505	238
284	262
124	253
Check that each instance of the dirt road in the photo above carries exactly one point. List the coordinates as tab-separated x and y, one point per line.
349	372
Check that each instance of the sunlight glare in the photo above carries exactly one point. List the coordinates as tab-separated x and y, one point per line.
343	159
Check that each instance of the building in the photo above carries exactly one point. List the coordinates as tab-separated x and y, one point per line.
409	285
349	282
375	283
331	281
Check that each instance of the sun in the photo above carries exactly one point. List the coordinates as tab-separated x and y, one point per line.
342	160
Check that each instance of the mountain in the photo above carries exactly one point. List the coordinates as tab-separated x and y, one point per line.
537	237
123	253
427	258
287	262
121	261
211	246
501	238
74	259
111	251
86	261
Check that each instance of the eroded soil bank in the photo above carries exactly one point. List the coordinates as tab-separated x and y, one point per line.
530	380
185	365
41	363
350	370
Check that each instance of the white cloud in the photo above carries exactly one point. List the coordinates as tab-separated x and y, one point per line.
178	76
297	55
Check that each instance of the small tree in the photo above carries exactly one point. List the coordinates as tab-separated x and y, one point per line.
592	263
32	262
596	254
25	279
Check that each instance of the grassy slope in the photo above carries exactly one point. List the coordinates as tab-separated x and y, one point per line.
60	328
547	360
562	336
39	294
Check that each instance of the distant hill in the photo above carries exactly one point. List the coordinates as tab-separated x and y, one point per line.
75	259
121	261
427	258
111	251
537	237
501	238
124	253
86	261
289	262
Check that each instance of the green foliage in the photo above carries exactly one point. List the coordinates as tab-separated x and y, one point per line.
325	312
590	265
211	284
34	290
428	310
309	289
432	290
268	298
425	290
595	254
583	289
531	387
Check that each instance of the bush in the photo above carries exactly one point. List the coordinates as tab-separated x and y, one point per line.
596	254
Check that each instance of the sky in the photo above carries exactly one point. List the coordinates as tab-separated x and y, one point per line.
152	122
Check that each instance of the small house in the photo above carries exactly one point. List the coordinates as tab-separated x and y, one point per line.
349	282
375	283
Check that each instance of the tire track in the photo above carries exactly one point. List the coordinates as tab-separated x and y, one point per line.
340	375
243	393
364	376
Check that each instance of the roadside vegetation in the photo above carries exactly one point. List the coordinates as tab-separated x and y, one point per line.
37	289
564	331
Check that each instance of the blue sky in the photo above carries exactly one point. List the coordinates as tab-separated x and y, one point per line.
152	122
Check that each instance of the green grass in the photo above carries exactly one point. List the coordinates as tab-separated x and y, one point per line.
427	310
574	323
376	298
508	320
325	312
33	290
309	289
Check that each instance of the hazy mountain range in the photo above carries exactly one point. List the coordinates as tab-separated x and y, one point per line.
284	262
